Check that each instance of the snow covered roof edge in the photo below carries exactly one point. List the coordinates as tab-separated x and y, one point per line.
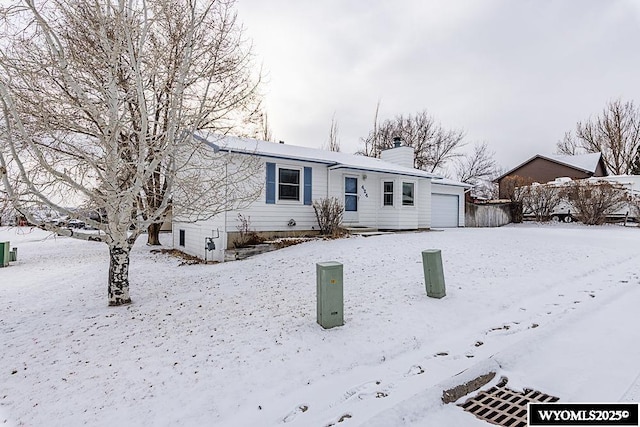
334	160
584	162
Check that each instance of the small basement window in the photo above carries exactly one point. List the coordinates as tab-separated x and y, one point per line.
181	239
407	193
387	193
288	184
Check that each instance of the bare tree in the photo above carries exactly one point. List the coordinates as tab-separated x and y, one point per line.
568	145
4	208
478	168
371	142
333	144
479	165
100	103
513	187
433	145
615	134
635	166
266	133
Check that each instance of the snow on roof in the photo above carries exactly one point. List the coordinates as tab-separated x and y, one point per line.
334	160
587	162
447	181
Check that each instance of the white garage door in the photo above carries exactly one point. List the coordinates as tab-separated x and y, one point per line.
444	211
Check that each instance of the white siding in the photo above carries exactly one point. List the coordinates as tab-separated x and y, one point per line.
371	212
424	209
195	234
452	190
276	217
266	217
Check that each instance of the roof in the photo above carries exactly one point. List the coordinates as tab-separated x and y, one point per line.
587	162
333	160
583	162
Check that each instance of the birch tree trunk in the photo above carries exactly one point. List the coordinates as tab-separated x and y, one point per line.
118	288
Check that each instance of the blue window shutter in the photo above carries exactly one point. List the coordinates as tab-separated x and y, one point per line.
271	183
307	186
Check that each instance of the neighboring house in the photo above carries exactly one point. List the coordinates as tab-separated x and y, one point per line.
383	194
543	169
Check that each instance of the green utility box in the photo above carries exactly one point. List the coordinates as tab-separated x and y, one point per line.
329	294
433	273
13	255
4	254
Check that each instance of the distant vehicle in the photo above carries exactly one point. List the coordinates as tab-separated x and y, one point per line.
75	223
564	212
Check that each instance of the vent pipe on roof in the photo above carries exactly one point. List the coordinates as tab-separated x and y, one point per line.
397	142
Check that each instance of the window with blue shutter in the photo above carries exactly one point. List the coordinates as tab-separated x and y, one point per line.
271	183
307	186
288	184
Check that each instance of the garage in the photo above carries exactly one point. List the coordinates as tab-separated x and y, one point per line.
444	210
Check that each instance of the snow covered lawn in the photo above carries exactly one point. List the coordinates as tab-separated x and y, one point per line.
551	307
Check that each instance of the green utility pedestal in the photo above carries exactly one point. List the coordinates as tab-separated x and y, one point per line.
433	273
329	294
4	254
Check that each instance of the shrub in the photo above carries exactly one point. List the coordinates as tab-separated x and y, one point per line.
329	215
512	185
247	235
593	201
541	200
512	188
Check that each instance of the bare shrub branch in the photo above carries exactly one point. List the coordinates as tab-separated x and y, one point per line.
329	215
540	200
593	201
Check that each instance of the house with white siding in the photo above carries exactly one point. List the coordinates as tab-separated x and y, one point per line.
382	194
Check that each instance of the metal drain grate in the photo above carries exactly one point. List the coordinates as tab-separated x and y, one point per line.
504	407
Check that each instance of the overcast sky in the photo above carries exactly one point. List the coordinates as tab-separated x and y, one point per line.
514	73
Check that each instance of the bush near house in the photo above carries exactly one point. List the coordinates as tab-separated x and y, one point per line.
329	215
541	200
247	235
593	201
513	186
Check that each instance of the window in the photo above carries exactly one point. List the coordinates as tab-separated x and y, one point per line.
387	193
288	184
181	242
407	194
350	194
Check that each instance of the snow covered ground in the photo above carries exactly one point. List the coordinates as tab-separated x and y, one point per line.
555	308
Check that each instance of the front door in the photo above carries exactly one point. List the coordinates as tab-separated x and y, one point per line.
350	199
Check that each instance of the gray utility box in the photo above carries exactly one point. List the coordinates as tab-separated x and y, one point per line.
433	273
4	254
329	294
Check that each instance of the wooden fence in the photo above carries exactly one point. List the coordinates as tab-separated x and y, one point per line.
490	215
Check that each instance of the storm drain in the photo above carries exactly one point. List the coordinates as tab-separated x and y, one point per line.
504	407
